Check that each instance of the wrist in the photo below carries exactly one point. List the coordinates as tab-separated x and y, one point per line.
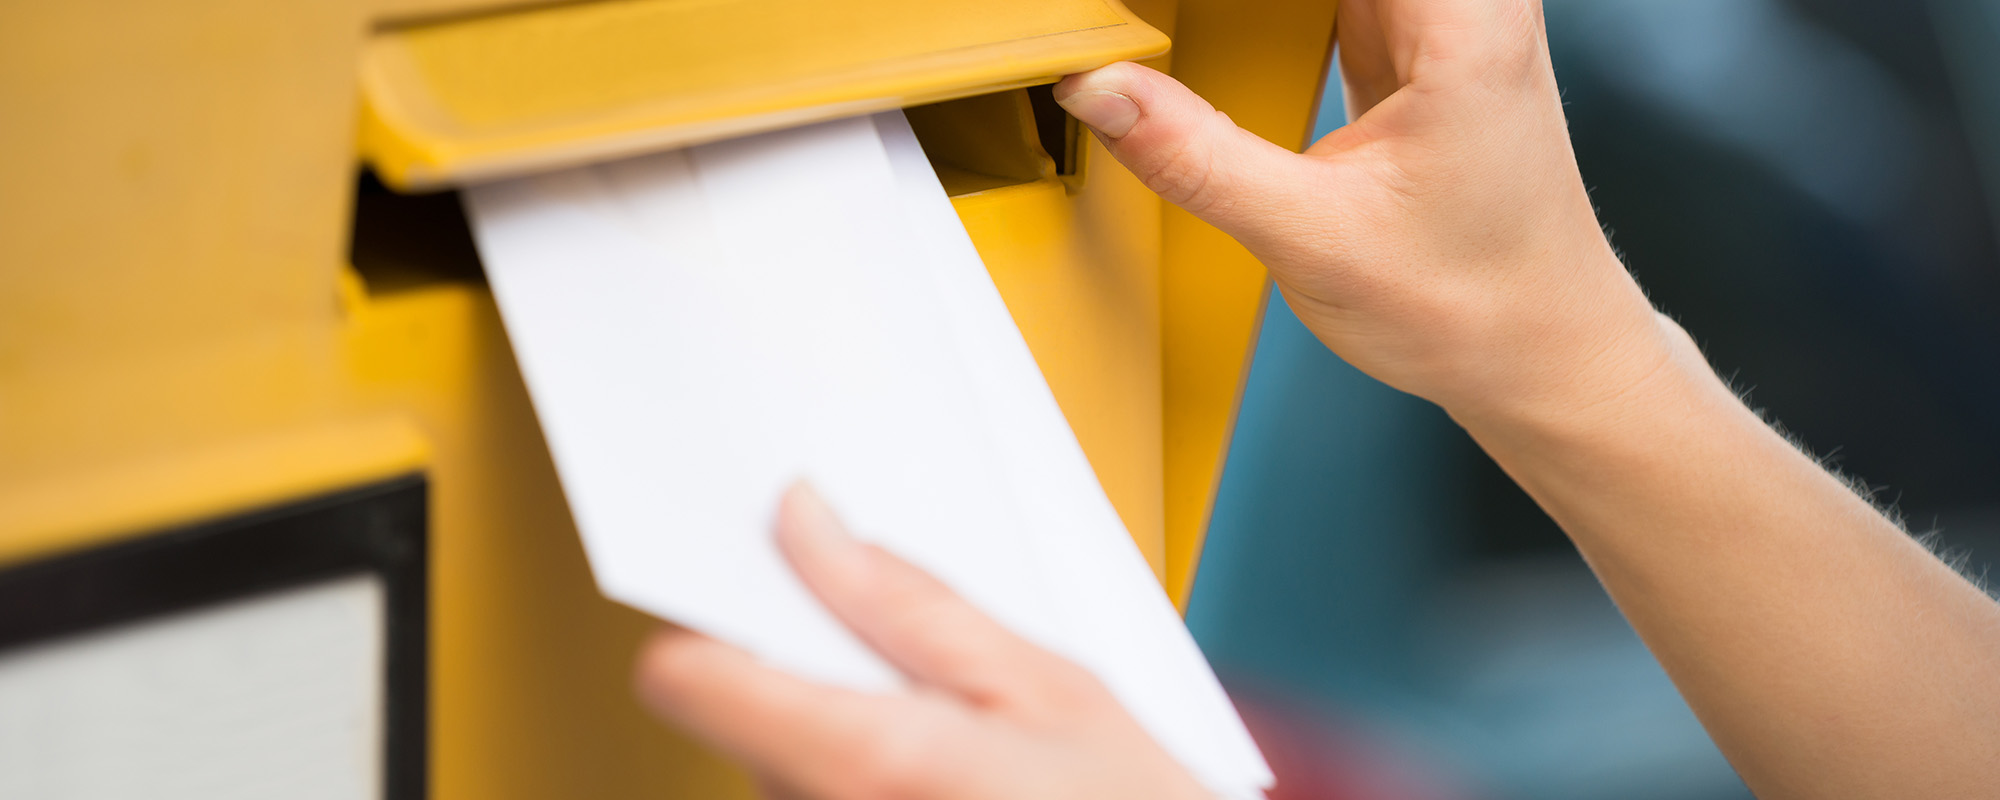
1560	340
1647	383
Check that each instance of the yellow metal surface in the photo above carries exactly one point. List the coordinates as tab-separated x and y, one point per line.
180	338
530	665
468	99
1084	291
64	510
983	142
1261	63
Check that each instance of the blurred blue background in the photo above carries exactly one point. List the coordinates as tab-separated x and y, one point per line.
1810	186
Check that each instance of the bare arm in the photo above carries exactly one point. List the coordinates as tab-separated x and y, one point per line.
1828	653
1443	242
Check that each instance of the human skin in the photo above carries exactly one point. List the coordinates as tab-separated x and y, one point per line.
989	715
1443	243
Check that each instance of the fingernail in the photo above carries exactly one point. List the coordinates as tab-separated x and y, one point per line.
809	510
809	528
1110	113
816	542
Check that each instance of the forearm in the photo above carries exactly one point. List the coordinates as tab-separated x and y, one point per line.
1443	243
1827	653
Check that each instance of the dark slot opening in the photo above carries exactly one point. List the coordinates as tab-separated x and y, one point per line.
404	241
1055	127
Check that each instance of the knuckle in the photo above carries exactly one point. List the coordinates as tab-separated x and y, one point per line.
1181	176
1184	173
1068	689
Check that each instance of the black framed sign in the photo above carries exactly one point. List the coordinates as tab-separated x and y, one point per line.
278	653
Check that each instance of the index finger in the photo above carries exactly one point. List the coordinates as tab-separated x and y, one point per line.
801	733
913	620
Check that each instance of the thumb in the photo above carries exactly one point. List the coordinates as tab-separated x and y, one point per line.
1184	149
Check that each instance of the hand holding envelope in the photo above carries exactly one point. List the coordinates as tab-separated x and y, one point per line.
702	328
996	717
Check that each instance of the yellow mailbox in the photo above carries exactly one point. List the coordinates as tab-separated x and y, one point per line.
252	382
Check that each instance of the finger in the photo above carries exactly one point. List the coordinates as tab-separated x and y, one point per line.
1405	62
1454	37
1367	71
1185	150
910	618
800	733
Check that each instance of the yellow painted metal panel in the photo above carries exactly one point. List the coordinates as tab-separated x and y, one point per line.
60	511
530	665
175	179
495	94
1261	63
1079	274
180	339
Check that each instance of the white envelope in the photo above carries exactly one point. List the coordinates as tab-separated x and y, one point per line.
701	328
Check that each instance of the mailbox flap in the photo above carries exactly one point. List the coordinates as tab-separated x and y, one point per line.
463	100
